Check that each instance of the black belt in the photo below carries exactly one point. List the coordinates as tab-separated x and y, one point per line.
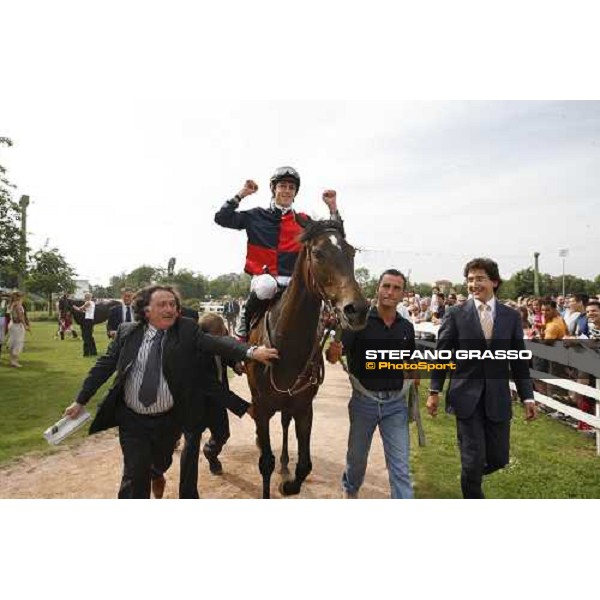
153	415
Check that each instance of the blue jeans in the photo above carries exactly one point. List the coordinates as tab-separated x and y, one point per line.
390	413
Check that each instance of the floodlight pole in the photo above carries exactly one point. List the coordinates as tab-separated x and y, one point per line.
536	275
23	203
563	253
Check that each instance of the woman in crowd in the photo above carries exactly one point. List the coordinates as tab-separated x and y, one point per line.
16	330
528	332
3	322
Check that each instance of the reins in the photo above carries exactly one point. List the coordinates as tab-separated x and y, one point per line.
313	372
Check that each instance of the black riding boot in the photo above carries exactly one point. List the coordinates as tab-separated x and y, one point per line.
253	305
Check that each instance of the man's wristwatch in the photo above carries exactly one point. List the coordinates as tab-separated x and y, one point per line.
250	352
436	392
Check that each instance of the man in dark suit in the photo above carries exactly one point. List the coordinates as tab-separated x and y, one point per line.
479	393
158	387
231	310
219	399
121	313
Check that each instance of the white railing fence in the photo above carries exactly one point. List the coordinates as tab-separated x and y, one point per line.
579	357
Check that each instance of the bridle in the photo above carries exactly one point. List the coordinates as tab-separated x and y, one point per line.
313	373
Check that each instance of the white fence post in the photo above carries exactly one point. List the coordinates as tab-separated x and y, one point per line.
598	415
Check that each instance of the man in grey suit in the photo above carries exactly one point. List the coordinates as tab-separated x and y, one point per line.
479	394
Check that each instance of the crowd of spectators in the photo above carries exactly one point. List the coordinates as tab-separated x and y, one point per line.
571	319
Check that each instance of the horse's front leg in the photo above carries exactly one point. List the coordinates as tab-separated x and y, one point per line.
286	418
303	422
266	462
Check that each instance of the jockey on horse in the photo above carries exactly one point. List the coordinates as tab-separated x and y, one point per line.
273	245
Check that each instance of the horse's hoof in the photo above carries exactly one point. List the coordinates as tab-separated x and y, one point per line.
289	488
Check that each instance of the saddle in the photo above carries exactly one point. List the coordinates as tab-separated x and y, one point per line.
258	308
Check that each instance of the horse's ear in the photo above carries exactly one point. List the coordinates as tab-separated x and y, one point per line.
302	220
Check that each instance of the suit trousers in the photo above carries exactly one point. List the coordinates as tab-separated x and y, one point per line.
188	464
218	424
484	448
147	443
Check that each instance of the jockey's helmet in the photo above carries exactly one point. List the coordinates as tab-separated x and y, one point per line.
287	174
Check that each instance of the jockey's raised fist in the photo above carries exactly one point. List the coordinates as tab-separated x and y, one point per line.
330	198
250	187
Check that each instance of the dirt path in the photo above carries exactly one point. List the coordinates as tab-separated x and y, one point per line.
92	469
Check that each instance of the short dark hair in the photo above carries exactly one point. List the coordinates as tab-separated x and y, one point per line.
583	298
142	298
393	272
548	302
485	264
593	303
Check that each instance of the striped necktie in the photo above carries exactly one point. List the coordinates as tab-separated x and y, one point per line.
149	387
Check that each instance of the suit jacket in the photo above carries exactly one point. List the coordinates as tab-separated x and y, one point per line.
218	392
115	317
182	350
485	380
231	307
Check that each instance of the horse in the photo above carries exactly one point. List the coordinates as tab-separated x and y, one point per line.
324	273
100	312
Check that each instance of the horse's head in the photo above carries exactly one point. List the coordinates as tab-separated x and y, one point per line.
329	271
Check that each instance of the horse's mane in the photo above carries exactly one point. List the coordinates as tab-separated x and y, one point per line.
315	227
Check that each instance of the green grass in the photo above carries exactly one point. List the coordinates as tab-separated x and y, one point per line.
34	397
548	460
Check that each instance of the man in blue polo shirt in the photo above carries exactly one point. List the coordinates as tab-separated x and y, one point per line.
378	402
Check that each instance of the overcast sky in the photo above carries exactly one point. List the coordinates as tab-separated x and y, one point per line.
126	156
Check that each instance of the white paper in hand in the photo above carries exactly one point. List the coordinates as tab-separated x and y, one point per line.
66	426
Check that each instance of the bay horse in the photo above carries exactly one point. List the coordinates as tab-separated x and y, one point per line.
324	273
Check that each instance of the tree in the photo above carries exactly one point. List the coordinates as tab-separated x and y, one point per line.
233	284
521	284
101	292
10	228
50	273
362	276
144	276
423	289
189	284
117	283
